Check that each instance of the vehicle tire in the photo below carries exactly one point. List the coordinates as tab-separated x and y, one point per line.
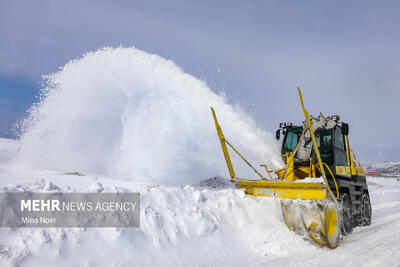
346	212
366	210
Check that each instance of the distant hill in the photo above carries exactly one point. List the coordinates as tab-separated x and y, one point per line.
384	168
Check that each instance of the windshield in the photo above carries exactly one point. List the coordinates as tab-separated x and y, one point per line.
323	138
291	139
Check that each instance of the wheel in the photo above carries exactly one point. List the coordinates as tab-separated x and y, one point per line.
347	215
366	210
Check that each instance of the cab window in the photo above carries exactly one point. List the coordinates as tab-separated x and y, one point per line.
324	143
340	151
291	139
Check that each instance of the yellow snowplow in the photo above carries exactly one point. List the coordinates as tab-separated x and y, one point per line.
309	207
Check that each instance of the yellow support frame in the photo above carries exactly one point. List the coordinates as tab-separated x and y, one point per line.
329	222
283	189
278	188
223	145
309	126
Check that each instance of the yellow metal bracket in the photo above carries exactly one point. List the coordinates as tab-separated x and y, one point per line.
223	145
309	126
224	141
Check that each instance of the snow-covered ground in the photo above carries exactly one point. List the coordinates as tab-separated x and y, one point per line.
209	223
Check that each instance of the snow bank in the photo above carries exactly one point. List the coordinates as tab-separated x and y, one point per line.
180	226
207	224
123	112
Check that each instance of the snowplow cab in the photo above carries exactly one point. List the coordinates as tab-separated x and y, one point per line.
332	140
343	167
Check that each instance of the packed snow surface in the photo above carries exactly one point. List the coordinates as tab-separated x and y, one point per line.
208	223
126	113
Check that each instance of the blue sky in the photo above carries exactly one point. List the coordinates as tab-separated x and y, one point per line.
344	55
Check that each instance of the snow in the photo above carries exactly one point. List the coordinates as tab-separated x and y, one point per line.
209	223
318	180
122	112
122	120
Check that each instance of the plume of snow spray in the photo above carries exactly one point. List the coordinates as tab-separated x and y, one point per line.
125	113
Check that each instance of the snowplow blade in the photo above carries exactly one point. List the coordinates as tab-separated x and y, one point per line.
318	217
282	189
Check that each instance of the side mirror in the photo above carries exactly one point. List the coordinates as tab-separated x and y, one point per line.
345	129
278	134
